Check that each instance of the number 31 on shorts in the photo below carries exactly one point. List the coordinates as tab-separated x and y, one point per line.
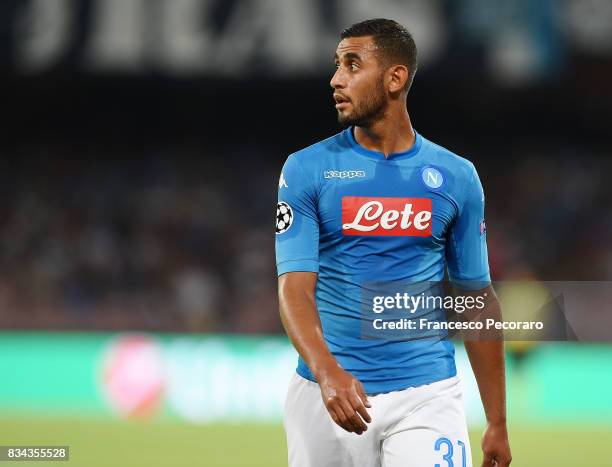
445	446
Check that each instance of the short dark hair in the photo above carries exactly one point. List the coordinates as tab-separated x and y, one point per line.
394	42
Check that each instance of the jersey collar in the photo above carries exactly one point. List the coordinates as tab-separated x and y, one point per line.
349	135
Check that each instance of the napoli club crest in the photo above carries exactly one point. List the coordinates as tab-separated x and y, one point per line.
432	177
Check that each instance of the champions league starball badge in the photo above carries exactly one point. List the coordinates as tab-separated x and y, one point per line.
284	217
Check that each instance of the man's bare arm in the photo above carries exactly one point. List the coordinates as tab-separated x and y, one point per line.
342	393
486	354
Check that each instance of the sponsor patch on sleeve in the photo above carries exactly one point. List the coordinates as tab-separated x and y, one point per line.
483	227
284	217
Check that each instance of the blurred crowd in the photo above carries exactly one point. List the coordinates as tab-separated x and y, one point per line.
180	240
166	243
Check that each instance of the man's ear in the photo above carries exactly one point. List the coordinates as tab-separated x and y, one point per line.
398	77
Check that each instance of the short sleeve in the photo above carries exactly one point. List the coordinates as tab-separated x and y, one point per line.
467	260
297	224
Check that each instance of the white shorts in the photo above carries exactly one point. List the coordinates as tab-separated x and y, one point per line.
424	426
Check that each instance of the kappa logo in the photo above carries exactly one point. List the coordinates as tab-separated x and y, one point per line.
344	173
410	217
282	183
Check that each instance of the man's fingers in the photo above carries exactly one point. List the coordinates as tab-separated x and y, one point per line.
345	421
363	396
355	419
332	414
339	416
360	408
348	424
346	401
487	460
497	461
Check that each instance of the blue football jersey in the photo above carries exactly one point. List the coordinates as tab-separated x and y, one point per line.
355	217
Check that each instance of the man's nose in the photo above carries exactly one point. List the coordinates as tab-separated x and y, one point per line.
337	80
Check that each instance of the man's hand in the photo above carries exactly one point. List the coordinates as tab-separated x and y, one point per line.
345	399
495	446
486	354
343	395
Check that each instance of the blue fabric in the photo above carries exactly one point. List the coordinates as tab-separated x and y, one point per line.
314	182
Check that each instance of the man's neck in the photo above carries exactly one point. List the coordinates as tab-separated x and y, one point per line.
387	135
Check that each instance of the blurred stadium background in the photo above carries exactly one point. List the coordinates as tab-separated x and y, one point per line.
139	161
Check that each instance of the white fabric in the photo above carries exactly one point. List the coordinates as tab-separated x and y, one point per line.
416	427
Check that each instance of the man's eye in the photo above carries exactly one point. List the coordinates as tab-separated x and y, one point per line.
354	67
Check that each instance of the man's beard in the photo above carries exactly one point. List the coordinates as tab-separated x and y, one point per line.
371	109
